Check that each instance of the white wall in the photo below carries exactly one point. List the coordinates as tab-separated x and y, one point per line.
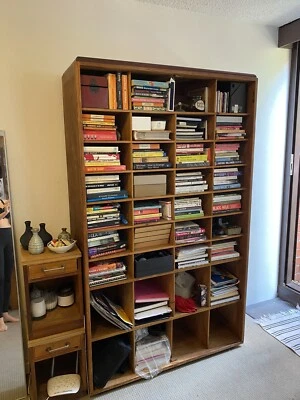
40	39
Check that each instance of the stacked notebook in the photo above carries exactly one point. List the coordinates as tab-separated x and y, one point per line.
224	286
101	272
151	302
191	256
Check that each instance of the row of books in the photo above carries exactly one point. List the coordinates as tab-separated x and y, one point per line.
152	95
151	301
189	232
227	153
223	250
191	256
104	187
230	127
190	207
117	91
226	178
190	128
102	272
150	159
102	159
190	182
99	127
224	286
230	202
105	215
146	212
102	243
192	155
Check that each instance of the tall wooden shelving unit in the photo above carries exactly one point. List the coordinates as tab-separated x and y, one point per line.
211	329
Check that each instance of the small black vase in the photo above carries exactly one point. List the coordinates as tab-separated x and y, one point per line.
44	235
25	238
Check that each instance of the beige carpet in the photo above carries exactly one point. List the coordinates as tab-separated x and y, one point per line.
261	369
12	377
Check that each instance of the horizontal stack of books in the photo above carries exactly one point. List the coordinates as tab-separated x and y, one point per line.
150	159
224	250
109	310
104	187
230	127
102	159
146	211
101	272
189	128
193	155
151	236
190	207
226	178
190	182
227	153
104	243
188	232
151	302
104	216
99	127
223	203
149	95
191	256
151	135
224	286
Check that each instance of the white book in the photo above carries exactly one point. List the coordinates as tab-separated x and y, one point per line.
153	312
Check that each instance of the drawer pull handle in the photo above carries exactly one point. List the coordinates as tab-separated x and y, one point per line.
61	268
50	350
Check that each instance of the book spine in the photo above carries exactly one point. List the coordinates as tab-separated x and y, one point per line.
125	92
105	168
119	90
99	135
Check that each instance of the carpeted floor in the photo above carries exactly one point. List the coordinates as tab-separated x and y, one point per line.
261	369
12	376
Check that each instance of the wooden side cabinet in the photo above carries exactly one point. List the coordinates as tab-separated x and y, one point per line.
60	333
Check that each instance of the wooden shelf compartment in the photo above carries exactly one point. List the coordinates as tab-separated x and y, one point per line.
190	336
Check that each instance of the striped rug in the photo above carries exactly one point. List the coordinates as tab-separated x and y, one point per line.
285	327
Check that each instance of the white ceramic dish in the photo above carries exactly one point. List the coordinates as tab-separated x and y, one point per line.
62	249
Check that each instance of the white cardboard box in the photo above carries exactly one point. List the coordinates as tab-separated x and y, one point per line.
141	123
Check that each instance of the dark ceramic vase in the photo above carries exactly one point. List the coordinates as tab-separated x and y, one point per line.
25	238
44	235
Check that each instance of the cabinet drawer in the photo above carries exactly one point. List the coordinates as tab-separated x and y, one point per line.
51	270
56	348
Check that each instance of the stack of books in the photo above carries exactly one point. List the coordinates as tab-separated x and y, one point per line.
104	216
189	128
102	158
227	153
224	286
226	178
151	236
151	302
188	232
191	256
230	127
104	187
101	272
150	159
224	250
104	243
190	207
99	127
223	203
190	182
193	155
151	135
149	95
109	310
146	211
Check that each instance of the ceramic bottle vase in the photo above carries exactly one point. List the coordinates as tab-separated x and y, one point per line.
36	245
24	239
64	234
44	235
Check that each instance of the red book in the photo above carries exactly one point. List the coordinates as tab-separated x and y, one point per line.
148	291
90	134
146	211
106	168
220	207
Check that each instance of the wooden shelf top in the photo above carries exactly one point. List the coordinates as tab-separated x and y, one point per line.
48	256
